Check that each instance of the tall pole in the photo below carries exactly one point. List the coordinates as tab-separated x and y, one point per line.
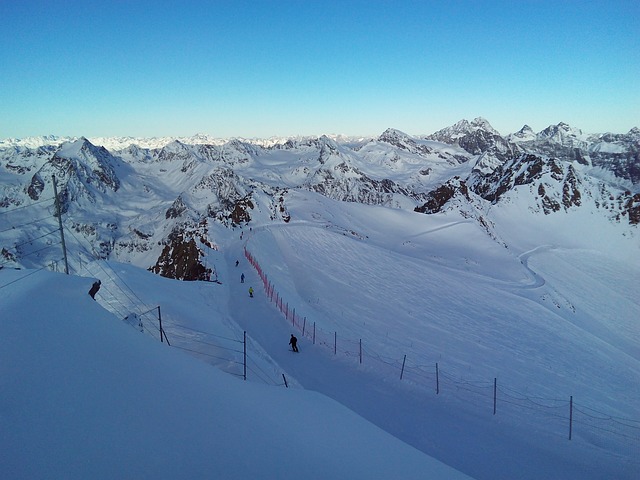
160	324
59	214
570	416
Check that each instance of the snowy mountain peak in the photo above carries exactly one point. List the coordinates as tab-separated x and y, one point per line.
560	132
455	131
483	124
477	137
329	142
464	128
395	137
392	133
406	142
524	134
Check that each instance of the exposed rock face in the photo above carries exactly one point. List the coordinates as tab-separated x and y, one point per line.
180	259
176	209
632	206
36	187
547	177
521	171
240	213
617	153
439	197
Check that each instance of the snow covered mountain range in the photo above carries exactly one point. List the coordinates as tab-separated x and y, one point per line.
159	203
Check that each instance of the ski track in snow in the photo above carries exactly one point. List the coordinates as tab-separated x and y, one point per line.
437	229
538	280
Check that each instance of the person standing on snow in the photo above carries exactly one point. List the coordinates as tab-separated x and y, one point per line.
294	343
94	289
251	292
242	278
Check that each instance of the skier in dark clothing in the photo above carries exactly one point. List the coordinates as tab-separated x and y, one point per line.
237	262
94	289
242	278
294	343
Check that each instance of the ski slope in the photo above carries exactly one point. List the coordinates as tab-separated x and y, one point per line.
551	325
546	319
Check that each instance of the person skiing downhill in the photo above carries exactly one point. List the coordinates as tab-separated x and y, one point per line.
251	292
242	278
294	343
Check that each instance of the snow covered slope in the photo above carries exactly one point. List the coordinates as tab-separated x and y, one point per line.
86	396
553	317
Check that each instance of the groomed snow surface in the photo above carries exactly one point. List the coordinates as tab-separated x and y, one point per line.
84	394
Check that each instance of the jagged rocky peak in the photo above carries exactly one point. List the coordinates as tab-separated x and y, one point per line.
175	150
391	135
325	141
99	159
526	133
477	137
80	167
404	141
560	132
74	148
634	134
480	123
397	139
246	148
452	133
329	151
463	128
322	143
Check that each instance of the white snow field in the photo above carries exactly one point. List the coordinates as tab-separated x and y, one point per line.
547	327
86	396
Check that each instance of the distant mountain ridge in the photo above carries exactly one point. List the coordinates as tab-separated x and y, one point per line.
161	203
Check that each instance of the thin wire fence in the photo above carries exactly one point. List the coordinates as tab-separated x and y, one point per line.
238	357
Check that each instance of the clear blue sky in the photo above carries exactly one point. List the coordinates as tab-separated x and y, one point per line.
262	68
